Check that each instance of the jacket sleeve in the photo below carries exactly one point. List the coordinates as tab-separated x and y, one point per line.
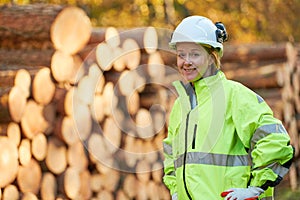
264	137
169	169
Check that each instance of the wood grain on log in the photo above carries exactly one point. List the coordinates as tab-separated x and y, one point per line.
29	177
10	192
48	186
70	30
9	165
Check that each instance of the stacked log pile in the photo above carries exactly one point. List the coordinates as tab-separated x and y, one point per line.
84	111
85	122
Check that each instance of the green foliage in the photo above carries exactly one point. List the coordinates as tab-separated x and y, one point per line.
246	20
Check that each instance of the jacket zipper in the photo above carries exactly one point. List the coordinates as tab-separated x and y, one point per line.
194	137
184	158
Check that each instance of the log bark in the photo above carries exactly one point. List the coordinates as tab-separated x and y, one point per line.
246	53
259	77
25	58
26	23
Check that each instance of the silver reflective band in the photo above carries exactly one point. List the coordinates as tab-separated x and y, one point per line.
212	159
265	130
167	149
278	169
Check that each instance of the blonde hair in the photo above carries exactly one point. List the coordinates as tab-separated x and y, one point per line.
214	52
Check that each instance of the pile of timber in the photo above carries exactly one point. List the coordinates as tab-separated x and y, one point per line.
84	111
84	122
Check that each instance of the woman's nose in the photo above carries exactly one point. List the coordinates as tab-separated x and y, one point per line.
187	62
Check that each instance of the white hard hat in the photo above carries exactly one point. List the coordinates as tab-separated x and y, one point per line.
200	30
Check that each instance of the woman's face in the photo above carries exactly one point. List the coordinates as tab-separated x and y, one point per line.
192	60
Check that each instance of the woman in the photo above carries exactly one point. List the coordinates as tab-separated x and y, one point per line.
223	141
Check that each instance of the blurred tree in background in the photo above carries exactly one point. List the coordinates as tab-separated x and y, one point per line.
246	20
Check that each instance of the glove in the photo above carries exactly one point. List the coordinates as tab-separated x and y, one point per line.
250	193
174	196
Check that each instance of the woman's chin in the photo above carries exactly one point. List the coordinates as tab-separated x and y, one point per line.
192	78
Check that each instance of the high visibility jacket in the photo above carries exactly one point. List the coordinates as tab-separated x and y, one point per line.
230	139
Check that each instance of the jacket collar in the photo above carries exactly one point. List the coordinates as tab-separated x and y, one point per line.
203	88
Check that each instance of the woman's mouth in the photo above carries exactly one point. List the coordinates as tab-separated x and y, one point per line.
190	69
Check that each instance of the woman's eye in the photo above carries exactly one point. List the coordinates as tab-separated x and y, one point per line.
181	55
195	54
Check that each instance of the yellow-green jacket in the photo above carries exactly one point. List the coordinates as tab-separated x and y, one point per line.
230	139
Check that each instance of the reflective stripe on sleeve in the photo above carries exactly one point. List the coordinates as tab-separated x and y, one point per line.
265	130
212	159
167	149
278	169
